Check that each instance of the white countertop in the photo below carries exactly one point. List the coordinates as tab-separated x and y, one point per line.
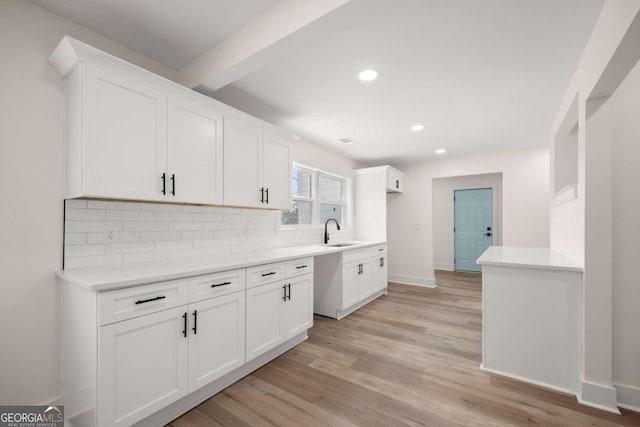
539	258
122	276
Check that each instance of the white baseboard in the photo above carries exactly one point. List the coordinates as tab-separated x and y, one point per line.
528	380
600	396
628	397
443	266
424	282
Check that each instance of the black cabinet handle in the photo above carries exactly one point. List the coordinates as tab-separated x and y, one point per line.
262	195
184	331
397	184
266	192
195	322
301	266
284	288
289	287
215	285
381	262
164	183
173	184
268	274
380	250
360	269
142	301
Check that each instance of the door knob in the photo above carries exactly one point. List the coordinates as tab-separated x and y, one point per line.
487	234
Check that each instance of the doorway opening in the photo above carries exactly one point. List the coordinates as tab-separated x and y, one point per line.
456	251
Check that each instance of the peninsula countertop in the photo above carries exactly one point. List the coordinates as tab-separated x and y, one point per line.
523	257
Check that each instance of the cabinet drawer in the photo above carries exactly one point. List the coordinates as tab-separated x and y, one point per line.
379	250
356	255
267	273
299	266
217	284
125	304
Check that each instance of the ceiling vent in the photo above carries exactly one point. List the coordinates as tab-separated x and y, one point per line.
348	140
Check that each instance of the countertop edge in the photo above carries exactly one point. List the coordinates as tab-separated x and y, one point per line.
532	265
314	250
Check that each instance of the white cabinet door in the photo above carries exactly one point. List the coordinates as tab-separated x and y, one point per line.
242	149
142	366
195	149
395	180
264	318
298	308
124	137
366	278
350	276
276	173
216	338
380	273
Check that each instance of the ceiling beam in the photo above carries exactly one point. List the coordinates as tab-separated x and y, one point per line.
255	44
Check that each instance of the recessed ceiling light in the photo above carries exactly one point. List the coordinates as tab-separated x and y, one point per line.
367	75
417	127
441	151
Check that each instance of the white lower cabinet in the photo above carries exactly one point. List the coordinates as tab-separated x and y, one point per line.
142	366
344	282
131	352
278	311
216	341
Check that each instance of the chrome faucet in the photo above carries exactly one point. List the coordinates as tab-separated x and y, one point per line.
326	233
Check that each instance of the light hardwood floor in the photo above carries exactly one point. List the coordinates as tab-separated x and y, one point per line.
409	358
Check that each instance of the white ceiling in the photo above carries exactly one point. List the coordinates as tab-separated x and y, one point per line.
173	32
481	75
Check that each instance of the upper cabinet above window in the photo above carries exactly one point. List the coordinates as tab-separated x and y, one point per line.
395	180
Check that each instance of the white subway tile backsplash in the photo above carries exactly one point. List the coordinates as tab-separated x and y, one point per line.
75	203
122	215
160	231
208	217
104	204
155	236
197	235
75	238
174	216
146	226
122	248
186	226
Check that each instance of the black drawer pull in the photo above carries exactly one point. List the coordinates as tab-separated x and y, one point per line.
164	183
284	288
301	266
184	331
268	274
142	301
195	322
380	250
215	285
289	295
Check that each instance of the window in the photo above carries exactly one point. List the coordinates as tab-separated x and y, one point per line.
315	197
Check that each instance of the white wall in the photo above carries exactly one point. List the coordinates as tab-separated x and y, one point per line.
625	103
443	213
31	207
583	228
525	207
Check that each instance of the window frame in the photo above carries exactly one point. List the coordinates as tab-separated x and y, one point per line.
315	197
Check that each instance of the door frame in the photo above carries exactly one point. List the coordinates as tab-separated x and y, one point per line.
494	220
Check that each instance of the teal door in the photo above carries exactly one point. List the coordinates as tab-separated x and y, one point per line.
473	227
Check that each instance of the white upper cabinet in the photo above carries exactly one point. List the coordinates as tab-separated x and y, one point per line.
257	167
195	149
134	135
395	180
119	136
276	172
242	144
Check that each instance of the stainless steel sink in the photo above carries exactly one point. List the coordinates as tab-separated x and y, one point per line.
342	245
